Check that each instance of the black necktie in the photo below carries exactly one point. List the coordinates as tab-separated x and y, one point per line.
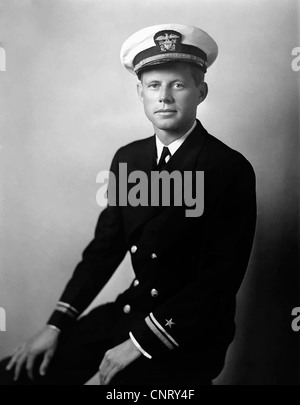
162	160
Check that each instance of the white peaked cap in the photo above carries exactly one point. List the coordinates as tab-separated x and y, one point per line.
168	43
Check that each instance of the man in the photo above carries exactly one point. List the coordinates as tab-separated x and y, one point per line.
176	320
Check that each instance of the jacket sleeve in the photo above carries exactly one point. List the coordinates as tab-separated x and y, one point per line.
223	251
99	261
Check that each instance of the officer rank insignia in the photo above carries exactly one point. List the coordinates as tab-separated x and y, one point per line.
169	323
168	41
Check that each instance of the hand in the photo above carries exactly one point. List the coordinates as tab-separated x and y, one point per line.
116	359
43	343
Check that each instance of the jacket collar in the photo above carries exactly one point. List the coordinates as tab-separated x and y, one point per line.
175	144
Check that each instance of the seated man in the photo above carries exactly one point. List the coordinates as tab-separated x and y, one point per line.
173	325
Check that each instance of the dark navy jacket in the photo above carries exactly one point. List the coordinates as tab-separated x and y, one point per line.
181	306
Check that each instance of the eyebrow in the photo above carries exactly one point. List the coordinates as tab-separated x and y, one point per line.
159	81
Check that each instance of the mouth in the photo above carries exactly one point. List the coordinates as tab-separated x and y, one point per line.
165	111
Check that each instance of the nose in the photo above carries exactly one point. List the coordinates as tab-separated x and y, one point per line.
165	95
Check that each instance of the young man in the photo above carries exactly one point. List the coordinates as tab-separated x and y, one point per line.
175	322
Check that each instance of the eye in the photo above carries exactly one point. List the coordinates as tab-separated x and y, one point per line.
178	85
153	85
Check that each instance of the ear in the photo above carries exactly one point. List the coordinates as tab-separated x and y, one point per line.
139	88
203	90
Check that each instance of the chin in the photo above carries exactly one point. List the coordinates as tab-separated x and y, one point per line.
166	125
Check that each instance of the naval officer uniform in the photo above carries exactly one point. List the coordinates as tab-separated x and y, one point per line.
179	310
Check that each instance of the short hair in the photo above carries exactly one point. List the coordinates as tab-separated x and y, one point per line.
197	73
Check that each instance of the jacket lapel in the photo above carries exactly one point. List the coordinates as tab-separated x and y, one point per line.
184	159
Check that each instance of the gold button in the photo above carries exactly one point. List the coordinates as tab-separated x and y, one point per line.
154	292
136	283
153	256
133	249
127	309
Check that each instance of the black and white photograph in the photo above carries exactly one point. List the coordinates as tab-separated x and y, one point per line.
149	194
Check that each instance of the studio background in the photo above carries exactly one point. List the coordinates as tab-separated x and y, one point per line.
67	104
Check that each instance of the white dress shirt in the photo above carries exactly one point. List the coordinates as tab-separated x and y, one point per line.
173	146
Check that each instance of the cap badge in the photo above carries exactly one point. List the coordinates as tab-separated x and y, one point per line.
167	40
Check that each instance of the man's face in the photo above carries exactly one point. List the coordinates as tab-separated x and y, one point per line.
170	97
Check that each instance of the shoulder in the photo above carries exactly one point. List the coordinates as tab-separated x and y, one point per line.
136	146
220	156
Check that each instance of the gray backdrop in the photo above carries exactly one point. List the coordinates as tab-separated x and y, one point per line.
67	104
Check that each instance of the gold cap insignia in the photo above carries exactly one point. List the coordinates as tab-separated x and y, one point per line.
168	41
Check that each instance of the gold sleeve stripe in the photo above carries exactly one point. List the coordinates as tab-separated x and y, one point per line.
158	325
68	306
66	311
54	328
158	333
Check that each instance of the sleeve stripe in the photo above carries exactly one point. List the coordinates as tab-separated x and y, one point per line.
138	346
158	333
69	307
66	311
53	327
158	325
